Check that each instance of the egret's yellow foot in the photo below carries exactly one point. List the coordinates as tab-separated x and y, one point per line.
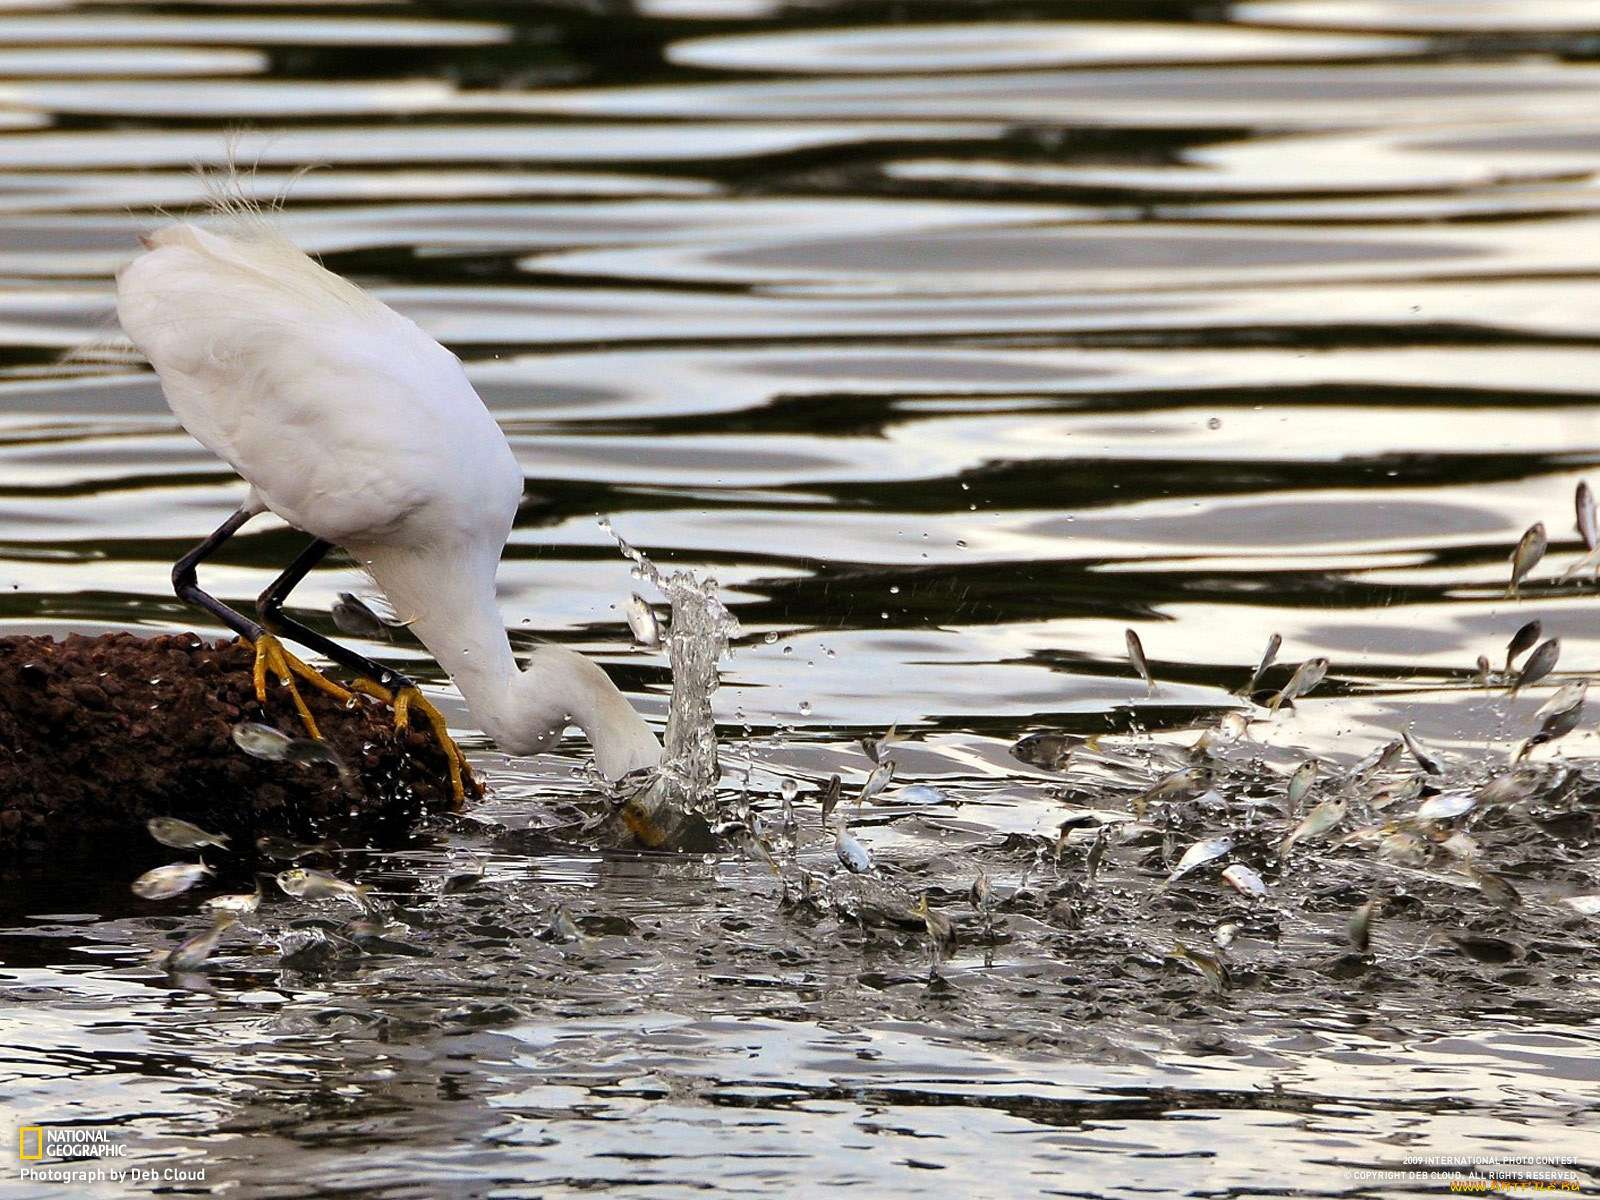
460	771
408	698
272	656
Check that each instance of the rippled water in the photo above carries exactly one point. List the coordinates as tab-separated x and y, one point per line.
953	340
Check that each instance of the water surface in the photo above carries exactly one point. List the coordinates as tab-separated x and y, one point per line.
954	342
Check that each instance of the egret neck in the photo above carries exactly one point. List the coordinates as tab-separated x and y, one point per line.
454	614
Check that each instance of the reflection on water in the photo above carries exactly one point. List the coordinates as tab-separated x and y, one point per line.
952	346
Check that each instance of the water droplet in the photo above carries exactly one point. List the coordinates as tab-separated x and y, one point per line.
894	591
805	708
961	544
788	789
771	639
787	650
1214	423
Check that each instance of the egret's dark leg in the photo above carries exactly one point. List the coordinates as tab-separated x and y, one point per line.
186	583
392	686
270	606
270	654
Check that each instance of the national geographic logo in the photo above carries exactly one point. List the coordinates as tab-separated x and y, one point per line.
35	1142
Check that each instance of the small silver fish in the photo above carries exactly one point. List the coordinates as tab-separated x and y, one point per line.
1273	644
875	747
1245	881
1425	759
789	824
1180	785
852	855
1446	806
1403	846
235	904
643	622
1557	724
305	883
1509	788
1459	847
1229	730
465	880
1359	928
830	796
372	929
1523	640
192	954
181	835
1300	783
1589	562
941	933
1209	966
1319	820
284	850
272	745
261	741
1063	835
1097	851
877	781
1567	698
1540	663
562	927
1496	890
1306	676
1530	549
352	616
1403	792
174	879
1052	751
1140	663
1232	727
1365	837
755	846
1198	855
1589	906
1380	760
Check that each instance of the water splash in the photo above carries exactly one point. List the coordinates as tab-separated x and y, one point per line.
697	638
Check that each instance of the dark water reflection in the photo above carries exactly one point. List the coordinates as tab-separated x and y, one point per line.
954	342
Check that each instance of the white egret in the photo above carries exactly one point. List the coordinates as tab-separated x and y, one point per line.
353	425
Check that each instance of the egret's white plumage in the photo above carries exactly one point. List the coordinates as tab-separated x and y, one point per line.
352	424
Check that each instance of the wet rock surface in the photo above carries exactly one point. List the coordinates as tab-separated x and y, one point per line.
97	735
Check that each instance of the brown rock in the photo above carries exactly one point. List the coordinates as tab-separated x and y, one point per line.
97	735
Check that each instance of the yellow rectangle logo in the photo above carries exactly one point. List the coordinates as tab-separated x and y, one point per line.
38	1142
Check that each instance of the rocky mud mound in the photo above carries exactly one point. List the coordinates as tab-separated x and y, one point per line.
97	735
